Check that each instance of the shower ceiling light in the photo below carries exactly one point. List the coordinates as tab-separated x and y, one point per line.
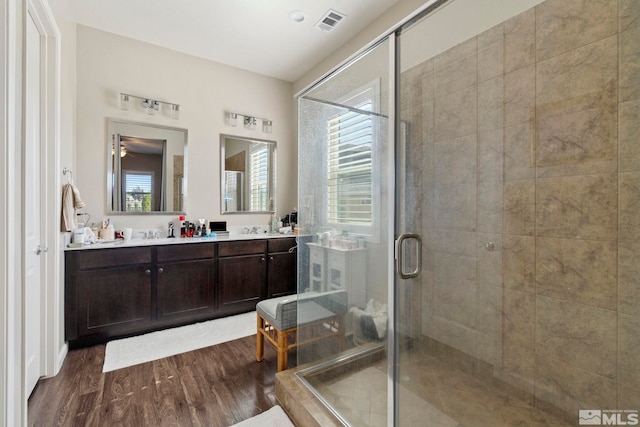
297	16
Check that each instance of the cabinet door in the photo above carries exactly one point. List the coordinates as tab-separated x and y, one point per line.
317	268
282	277
114	301
336	270
241	282
185	290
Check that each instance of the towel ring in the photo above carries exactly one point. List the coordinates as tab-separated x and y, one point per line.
66	171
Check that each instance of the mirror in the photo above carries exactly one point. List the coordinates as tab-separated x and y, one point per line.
247	174
146	168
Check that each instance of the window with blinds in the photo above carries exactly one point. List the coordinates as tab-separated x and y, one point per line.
258	177
138	191
350	158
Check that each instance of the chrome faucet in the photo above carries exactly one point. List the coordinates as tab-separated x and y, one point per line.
152	234
254	230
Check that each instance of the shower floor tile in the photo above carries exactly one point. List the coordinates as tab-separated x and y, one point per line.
431	393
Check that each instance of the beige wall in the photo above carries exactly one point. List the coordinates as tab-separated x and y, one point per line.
108	64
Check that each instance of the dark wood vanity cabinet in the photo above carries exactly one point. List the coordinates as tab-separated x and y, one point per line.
282	262
252	270
185	282
242	275
118	292
107	294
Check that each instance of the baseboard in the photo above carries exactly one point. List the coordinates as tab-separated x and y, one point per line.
62	354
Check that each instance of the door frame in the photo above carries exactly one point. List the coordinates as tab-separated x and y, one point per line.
12	405
53	347
13	13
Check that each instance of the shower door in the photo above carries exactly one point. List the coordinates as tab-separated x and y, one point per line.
518	167
345	193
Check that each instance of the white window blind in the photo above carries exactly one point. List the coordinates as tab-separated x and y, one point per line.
350	144
258	176
138	191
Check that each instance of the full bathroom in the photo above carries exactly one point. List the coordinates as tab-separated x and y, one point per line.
461	182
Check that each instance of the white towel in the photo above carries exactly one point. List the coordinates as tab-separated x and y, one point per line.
70	202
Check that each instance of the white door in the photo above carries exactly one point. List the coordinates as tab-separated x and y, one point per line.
32	209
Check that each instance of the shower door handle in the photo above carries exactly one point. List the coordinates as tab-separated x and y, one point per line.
400	255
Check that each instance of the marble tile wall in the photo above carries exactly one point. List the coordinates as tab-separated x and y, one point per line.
531	140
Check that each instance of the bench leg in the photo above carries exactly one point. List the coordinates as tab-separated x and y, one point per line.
283	355
260	339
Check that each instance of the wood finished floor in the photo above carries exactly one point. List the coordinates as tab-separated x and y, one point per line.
215	386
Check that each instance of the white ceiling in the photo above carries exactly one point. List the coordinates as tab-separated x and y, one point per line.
255	35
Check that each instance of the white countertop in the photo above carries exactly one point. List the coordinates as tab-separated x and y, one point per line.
120	243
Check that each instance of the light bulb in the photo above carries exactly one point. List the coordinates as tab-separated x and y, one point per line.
250	122
124	101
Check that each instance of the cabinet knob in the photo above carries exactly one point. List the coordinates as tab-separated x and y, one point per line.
161	270
270	258
262	259
147	272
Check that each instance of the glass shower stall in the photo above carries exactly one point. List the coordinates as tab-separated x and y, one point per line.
472	191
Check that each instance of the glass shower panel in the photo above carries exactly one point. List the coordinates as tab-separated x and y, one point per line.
521	175
345	158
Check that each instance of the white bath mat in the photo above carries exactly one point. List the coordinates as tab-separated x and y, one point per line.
274	417
156	345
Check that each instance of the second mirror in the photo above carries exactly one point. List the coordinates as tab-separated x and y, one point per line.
247	174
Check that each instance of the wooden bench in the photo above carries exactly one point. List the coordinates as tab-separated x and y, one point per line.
291	321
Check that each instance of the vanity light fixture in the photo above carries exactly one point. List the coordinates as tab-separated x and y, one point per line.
250	122
151	106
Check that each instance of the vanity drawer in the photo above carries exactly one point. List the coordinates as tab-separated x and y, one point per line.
281	244
248	247
113	257
187	251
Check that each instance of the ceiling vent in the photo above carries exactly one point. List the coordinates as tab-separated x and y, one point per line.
330	20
